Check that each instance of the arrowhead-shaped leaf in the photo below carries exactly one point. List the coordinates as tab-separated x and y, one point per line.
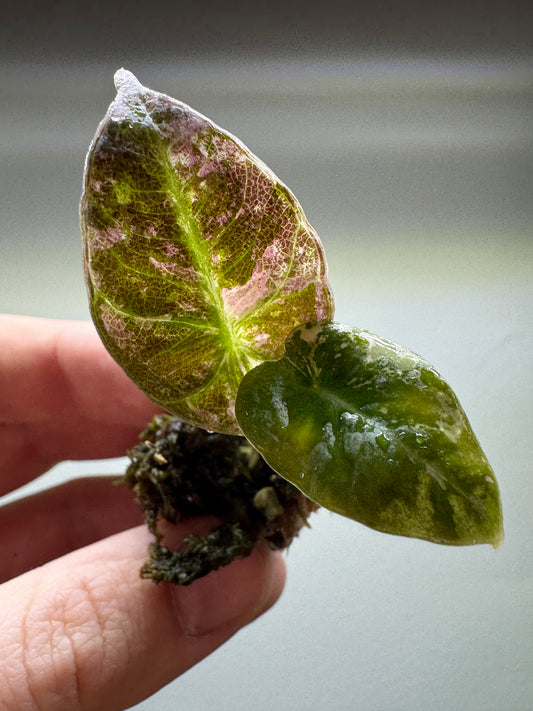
198	260
370	430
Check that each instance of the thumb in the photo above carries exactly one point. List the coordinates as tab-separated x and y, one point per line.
85	632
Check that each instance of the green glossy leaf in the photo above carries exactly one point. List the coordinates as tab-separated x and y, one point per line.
198	260
370	430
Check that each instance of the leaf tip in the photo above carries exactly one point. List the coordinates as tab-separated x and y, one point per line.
126	81
497	540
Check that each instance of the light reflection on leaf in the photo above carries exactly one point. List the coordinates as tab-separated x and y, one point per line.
370	430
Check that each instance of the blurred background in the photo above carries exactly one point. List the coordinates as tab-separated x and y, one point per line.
405	129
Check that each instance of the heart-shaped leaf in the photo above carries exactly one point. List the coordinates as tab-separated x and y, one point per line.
198	260
370	430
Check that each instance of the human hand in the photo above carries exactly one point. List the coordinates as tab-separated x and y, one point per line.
79	629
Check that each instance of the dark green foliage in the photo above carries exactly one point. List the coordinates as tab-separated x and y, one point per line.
370	430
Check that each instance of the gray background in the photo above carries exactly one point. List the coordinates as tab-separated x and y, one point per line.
405	130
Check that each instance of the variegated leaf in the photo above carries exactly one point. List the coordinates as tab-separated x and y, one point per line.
370	430
198	260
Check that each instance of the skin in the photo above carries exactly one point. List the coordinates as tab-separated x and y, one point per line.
80	630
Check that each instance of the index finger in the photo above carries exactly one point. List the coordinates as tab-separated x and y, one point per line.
86	632
62	396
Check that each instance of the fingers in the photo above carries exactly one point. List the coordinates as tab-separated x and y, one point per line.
47	525
85	632
61	397
48	366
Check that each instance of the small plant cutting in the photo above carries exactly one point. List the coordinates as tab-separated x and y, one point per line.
209	287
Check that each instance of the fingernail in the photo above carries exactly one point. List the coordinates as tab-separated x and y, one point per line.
231	596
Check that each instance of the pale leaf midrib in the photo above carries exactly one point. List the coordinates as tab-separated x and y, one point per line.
201	260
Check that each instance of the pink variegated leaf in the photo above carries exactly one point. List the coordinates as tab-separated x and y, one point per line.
198	260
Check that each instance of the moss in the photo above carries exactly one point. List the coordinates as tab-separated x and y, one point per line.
178	471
